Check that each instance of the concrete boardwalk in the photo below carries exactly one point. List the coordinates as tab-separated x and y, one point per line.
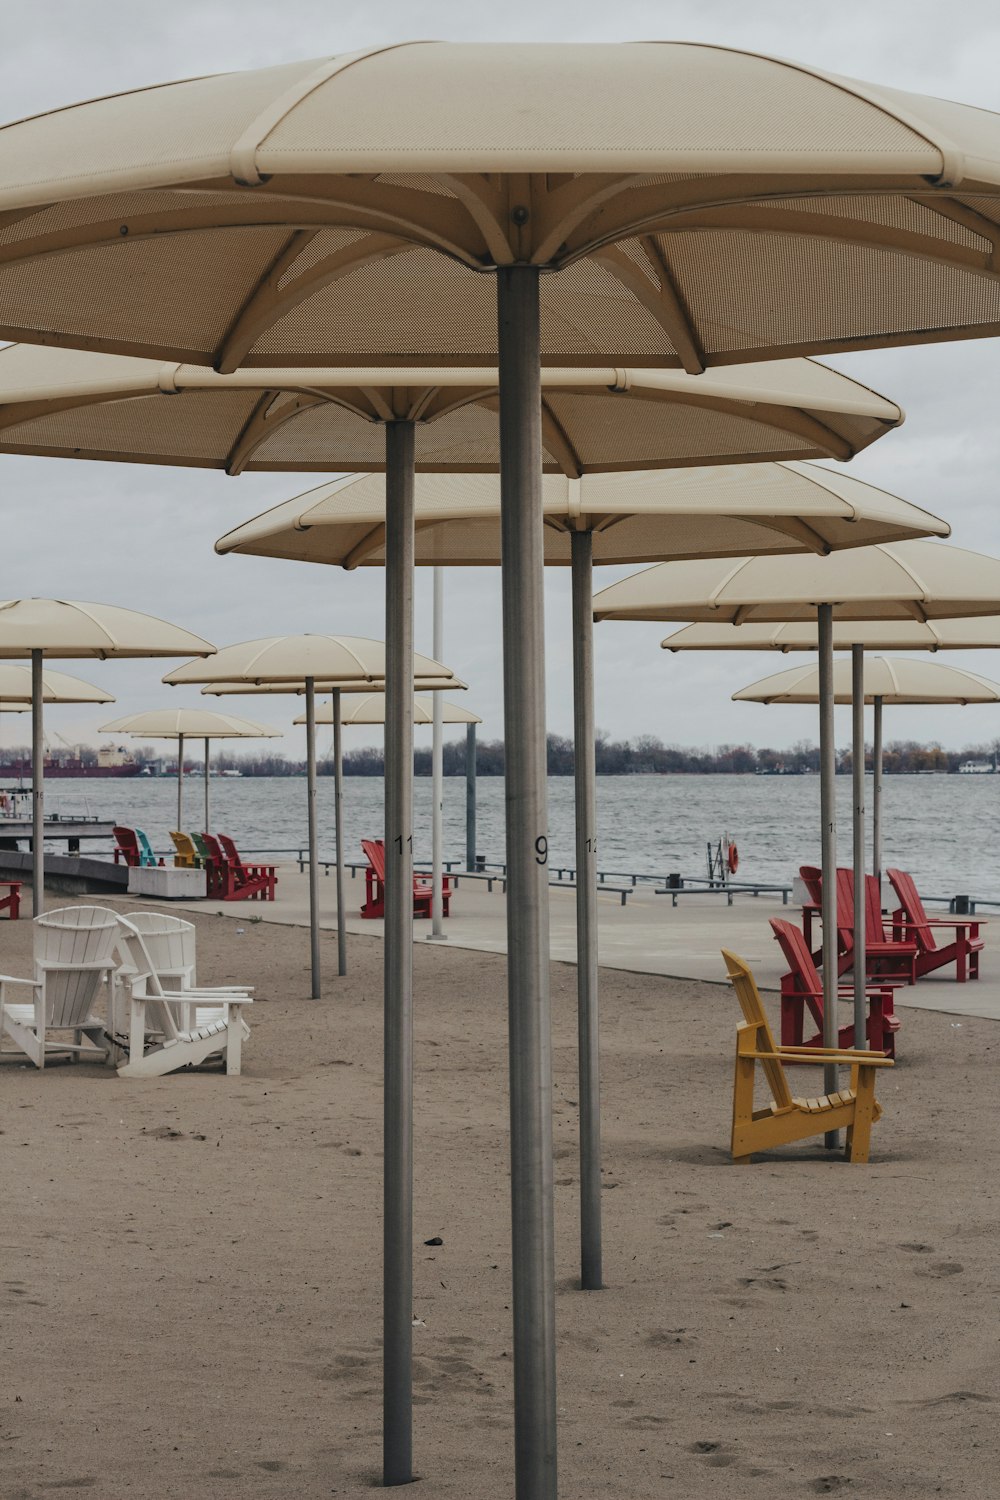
646	936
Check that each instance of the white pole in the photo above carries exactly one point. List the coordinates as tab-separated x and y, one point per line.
37	787
313	851
437	934
858	778
828	819
180	782
338	825
208	826
877	795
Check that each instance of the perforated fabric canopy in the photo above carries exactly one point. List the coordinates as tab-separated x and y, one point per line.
904	581
65	627
57	687
895	680
371	710
199	723
874	635
704	206
66	403
725	511
292	658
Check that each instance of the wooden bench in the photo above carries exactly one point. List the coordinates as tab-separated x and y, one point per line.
746	888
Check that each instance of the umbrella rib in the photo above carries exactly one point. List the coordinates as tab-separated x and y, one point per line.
556	439
662	300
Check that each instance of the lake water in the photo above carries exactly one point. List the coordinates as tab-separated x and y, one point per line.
944	829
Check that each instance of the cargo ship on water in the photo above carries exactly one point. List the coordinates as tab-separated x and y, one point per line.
111	761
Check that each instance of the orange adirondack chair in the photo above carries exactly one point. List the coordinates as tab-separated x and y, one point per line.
802	990
236	882
788	1118
913	921
374	852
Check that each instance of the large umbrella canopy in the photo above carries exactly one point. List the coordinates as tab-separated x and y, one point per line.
260	689
57	687
894	680
37	628
875	635
65	403
704	205
199	723
292	659
66	628
195	723
912	580
676	513
371	710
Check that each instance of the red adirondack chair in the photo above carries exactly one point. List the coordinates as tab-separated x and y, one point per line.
884	956
236	882
911	920
249	875
423	891
127	849
11	903
802	990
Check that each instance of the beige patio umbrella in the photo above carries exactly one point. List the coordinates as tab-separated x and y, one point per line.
599	518
57	687
909	580
897	680
349	208
64	628
189	723
295	663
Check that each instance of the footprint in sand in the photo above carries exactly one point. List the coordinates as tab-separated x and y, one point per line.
829	1484
955	1398
916	1247
771	1283
942	1268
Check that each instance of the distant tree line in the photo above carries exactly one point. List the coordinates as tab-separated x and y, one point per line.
645	755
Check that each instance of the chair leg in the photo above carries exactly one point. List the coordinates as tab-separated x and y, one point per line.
859	1134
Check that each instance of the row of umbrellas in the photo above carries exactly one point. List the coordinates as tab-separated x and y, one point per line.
362	210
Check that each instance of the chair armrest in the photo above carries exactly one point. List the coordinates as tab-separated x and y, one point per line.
195	997
833	1054
14	979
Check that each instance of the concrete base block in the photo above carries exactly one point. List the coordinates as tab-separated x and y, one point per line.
164	883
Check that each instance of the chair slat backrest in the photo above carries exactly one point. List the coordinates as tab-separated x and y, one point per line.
199	844
874	926
187	854
374	852
73	950
212	848
128	845
231	853
845	909
797	956
170	943
812	879
139	961
147	854
909	899
752	1007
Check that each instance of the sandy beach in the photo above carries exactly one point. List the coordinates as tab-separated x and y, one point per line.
191	1265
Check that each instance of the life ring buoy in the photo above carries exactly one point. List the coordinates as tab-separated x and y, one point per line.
733	859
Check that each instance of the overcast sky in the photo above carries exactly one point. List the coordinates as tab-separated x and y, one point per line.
143	536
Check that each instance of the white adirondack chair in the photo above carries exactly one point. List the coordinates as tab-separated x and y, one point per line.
170	946
74	953
170	1029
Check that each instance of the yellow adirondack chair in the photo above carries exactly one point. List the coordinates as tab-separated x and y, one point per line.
790	1119
186	856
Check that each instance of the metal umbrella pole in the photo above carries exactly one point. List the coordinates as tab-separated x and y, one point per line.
588	1028
470	796
397	1297
317	987
37	787
828	820
338	824
180	782
877	794
529	1017
437	774
858	831
208	825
